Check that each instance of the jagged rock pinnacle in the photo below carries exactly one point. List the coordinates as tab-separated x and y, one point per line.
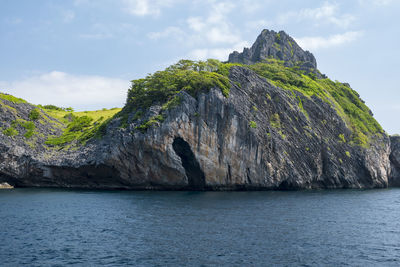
278	45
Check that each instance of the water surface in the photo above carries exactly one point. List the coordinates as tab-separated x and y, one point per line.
43	227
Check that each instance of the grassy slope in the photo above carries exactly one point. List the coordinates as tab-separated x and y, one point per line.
96	115
79	126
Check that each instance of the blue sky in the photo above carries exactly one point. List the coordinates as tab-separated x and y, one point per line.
83	53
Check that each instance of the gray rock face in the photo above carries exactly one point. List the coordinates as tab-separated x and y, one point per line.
257	138
394	178
277	45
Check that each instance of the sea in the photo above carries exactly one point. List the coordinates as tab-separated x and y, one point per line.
58	227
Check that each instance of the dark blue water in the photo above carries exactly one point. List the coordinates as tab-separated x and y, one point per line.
95	228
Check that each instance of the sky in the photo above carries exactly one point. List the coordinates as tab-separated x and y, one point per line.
84	53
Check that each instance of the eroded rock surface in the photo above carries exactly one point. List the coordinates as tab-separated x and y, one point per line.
394	178
257	138
277	45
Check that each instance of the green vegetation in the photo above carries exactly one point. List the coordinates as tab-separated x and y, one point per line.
275	121
77	129
153	120
342	98
238	84
10	131
29	127
348	154
34	114
96	115
172	103
12	99
162	86
80	126
278	36
53	107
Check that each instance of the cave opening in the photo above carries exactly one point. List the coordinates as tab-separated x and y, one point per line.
195	175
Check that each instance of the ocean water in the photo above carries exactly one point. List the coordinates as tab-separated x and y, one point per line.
43	227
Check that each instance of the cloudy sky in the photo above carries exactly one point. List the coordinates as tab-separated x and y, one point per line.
83	53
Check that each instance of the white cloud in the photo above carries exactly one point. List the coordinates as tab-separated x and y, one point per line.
101	31
63	89
376	2
258	24
68	16
145	7
217	53
214	31
252	6
327	13
138	8
168	32
214	28
96	36
314	43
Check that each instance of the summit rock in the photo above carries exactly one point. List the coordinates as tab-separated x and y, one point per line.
276	45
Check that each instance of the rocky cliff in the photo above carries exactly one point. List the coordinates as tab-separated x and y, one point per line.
209	125
279	45
394	177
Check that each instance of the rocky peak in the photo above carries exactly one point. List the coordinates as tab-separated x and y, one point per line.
278	45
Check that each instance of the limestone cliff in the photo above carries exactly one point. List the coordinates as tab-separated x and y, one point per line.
267	131
279	45
394	177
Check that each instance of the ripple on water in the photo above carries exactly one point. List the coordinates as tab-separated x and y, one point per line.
309	228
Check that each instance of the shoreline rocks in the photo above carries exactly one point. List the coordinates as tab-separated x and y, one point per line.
5	186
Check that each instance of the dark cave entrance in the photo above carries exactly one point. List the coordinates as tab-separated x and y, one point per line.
192	168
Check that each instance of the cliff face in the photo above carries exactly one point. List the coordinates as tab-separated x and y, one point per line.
259	137
256	138
394	177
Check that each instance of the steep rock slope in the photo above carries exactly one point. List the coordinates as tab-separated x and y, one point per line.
394	177
212	125
256	138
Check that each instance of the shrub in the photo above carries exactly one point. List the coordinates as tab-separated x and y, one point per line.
30	129
147	124
79	123
10	131
34	114
52	107
162	86
77	130
253	124
275	121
